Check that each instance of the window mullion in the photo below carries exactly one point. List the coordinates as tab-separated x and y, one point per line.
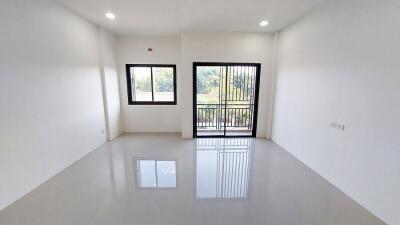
152	84
156	168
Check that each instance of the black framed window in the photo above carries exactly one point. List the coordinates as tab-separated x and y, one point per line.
151	84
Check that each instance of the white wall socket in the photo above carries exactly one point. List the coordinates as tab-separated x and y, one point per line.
337	126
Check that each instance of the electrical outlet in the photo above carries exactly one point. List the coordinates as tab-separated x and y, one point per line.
337	126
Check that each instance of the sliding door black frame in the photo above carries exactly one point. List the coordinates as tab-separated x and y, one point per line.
256	97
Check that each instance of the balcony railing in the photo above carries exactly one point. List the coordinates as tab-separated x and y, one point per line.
213	116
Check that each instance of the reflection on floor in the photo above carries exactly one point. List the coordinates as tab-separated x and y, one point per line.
223	168
156	173
161	179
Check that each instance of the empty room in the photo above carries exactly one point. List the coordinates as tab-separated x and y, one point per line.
199	112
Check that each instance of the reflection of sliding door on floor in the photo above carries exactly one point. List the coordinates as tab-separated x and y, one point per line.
223	168
225	99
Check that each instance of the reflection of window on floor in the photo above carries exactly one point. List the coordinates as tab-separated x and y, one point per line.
223	168
156	173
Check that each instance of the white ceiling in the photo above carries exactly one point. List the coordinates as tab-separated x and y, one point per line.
160	17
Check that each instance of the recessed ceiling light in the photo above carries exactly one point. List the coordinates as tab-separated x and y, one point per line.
264	23
110	16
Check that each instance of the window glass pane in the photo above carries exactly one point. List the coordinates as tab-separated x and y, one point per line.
141	81
147	173
166	174
163	84
209	82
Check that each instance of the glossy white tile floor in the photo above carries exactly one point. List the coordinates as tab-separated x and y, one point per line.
161	179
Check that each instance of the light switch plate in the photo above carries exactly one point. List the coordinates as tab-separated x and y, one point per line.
337	126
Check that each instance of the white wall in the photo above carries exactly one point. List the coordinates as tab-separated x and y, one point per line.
51	108
226	47
109	72
148	118
341	64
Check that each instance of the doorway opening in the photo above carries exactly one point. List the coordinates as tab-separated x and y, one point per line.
225	99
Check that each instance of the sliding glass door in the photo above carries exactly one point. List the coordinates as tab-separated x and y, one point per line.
225	99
